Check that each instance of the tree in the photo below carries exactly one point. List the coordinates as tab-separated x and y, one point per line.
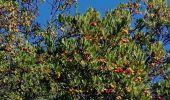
154	26
95	58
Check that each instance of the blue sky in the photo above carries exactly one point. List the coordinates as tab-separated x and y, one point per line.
101	5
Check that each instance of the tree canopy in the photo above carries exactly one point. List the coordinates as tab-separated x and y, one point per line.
115	56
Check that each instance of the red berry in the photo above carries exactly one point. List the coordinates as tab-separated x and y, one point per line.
160	98
93	23
108	91
138	12
118	70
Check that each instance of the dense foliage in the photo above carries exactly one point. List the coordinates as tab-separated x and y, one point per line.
94	58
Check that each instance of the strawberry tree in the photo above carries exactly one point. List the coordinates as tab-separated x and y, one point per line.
99	58
95	58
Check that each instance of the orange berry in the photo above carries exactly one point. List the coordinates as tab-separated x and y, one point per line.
68	2
138	79
129	71
118	98
102	60
88	37
150	5
137	4
146	93
128	89
125	31
16	30
152	15
125	40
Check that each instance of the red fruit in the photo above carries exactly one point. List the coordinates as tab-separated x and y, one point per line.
138	12
118	70
93	23
160	98
108	91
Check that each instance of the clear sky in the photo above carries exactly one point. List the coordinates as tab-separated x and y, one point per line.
101	5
